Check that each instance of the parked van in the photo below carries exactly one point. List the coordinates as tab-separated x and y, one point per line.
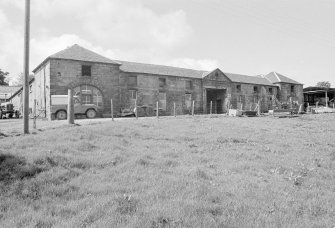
59	107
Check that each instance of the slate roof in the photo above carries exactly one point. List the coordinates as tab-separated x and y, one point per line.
144	68
248	79
79	53
8	90
76	52
275	77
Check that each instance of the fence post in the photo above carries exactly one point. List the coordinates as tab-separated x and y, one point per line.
174	109
34	123
157	111
70	107
112	110
259	108
211	108
193	108
136	108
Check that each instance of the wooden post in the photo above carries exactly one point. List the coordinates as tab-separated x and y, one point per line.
70	107
174	109
193	108
308	107
112	109
241	106
136	108
34	123
300	109
259	108
291	103
157	111
26	69
211	108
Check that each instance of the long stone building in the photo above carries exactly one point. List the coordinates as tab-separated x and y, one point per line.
96	79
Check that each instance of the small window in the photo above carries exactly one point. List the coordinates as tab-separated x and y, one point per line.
162	83
132	80
59	74
255	89
133	94
292	88
85	70
270	91
238	88
241	99
188	84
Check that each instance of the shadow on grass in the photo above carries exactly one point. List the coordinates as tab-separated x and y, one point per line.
15	168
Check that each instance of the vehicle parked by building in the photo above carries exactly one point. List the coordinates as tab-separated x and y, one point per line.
59	107
7	111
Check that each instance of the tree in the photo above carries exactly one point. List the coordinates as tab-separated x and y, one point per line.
3	76
324	84
19	80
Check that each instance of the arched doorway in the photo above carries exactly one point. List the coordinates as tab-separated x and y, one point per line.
89	94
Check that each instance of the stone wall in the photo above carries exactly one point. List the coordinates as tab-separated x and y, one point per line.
247	98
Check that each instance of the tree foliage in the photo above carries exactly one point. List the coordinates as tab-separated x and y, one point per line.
324	84
3	76
19	80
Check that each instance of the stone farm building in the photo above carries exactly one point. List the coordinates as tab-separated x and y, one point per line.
97	79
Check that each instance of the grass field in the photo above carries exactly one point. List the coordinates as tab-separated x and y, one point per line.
183	172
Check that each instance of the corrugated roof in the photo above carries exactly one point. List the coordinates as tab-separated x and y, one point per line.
275	77
144	68
248	79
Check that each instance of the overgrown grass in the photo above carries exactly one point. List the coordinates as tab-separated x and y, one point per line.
183	172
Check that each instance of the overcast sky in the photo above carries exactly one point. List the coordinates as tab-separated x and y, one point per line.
293	37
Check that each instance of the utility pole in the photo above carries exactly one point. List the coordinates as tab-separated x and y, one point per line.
26	69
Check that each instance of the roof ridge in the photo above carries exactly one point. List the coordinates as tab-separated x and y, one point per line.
277	76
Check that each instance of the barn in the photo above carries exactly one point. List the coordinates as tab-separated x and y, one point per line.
97	80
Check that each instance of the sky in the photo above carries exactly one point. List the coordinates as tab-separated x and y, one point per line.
295	38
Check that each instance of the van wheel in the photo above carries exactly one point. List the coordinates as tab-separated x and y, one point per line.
61	115
91	113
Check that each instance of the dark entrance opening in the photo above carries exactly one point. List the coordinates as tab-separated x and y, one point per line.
217	97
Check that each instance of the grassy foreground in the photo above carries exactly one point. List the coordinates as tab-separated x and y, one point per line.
184	172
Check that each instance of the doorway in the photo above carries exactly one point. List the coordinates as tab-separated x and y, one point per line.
217	98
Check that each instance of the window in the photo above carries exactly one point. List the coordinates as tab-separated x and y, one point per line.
133	94
132	81
188	101
162	101
85	70
162	83
88	94
270	91
292	88
255	89
188	84
238	88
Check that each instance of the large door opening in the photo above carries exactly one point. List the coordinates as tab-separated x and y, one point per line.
217	98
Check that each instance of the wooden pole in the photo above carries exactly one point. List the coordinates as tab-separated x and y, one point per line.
291	103
136	108
193	108
157	111
26	69
112	109
211	108
259	108
70	107
34	123
308	107
174	109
